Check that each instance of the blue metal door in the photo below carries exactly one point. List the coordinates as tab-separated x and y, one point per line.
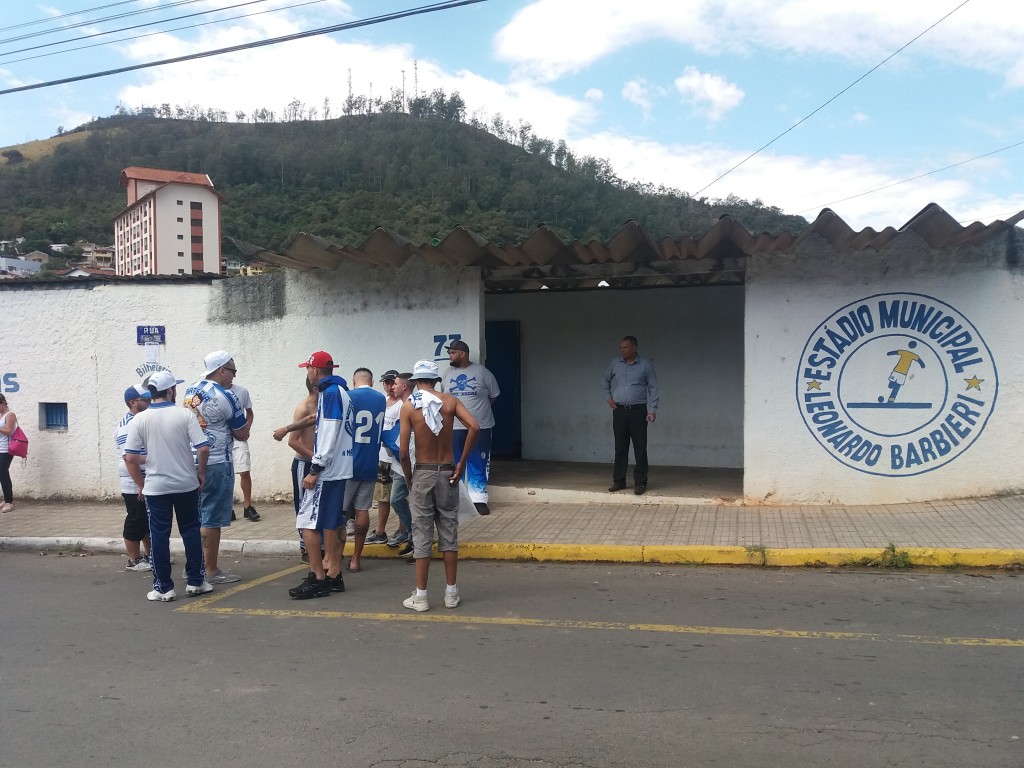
503	360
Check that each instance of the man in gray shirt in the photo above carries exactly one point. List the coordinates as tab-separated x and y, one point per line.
476	388
631	388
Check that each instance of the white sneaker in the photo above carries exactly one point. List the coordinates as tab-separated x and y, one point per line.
350	528
451	599
163	597
220	576
201	589
142	564
415	603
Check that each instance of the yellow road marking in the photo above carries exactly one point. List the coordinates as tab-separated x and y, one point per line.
200	605
207	605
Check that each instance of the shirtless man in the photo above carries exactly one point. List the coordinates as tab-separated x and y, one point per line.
429	415
300	433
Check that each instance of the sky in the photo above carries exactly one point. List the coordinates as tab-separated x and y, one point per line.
873	108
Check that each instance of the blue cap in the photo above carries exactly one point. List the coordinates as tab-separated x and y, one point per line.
136	393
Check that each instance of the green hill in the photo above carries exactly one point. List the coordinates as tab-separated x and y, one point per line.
341	178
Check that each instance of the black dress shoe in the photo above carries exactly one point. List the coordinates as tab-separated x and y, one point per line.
482	508
639	490
616	487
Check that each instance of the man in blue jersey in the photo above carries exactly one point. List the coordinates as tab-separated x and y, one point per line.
136	521
368	406
222	420
323	498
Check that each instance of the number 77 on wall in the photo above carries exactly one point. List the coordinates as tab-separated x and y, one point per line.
440	340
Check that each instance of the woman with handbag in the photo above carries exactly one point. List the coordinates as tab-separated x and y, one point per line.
8	423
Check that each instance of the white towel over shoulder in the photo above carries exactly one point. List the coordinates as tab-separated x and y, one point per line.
430	404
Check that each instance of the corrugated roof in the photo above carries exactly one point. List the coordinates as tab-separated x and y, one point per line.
630	258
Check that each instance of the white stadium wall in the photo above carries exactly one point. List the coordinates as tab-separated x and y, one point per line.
78	345
885	376
694	335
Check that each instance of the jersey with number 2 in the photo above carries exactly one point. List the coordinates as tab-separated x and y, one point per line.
368	405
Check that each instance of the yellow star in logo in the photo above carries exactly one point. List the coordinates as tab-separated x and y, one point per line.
814	384
974	383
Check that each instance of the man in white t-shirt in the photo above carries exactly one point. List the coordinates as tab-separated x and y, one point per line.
164	438
240	455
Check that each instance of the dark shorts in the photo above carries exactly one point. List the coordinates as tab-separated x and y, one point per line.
136	522
321	506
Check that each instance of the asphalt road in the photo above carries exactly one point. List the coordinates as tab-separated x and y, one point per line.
542	665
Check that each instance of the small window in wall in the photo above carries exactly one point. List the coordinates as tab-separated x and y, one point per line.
181	237
181	271
181	220
53	416
181	253
196	206
181	202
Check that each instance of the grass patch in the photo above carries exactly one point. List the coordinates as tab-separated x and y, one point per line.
34	150
890	557
954	567
759	553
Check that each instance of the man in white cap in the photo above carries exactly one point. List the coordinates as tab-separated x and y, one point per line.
434	482
222	419
164	438
136	520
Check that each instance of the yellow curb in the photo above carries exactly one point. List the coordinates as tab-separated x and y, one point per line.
977	558
588	553
699	555
712	555
490	551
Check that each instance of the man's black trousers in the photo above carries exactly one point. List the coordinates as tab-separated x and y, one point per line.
629	424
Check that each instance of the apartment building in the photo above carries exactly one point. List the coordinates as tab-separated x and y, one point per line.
170	225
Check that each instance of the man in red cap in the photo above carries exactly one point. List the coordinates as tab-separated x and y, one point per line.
323	498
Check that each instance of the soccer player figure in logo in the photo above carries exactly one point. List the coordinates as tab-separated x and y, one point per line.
898	377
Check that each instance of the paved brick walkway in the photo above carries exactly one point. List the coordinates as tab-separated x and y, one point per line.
962	527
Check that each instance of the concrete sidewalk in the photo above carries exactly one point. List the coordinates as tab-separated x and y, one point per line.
970	532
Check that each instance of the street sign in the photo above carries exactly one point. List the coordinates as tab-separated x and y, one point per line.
151	334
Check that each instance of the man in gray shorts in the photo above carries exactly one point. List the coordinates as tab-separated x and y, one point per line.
429	416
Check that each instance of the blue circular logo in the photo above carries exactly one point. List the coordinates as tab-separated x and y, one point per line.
896	384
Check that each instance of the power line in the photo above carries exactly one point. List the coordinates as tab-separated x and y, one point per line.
65	15
812	114
88	22
913	178
442	6
1002	217
161	32
127	29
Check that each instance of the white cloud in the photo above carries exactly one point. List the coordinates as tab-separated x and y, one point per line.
709	94
860	118
637	92
594	94
984	36
797	184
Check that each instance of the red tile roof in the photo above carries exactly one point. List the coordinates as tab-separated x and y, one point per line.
164	177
